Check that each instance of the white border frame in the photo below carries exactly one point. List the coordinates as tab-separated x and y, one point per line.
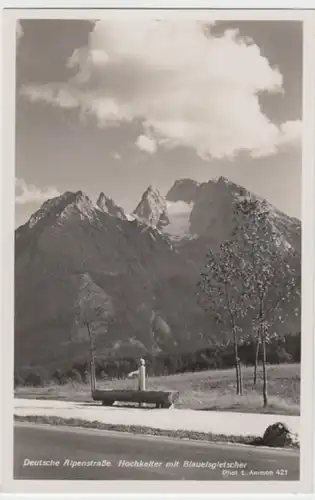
305	485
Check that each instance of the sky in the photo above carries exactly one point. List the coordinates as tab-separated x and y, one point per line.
116	106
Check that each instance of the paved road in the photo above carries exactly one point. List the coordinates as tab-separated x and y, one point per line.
114	455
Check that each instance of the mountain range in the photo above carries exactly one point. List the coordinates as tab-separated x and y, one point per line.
133	276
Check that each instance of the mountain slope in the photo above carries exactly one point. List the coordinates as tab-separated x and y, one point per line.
133	264
139	273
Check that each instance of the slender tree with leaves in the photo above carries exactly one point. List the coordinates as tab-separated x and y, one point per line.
271	279
221	292
94	309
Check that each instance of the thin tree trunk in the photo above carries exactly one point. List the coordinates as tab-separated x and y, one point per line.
265	389
237	362
262	330
240	376
92	363
256	358
237	365
237	378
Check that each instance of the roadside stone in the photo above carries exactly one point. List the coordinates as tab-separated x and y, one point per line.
279	435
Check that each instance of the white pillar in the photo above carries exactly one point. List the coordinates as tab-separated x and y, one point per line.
142	375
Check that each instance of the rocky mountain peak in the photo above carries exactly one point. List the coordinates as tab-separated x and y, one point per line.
152	208
61	207
231	188
183	190
109	206
224	180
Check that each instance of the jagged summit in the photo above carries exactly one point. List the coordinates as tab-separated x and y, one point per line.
209	207
71	204
109	206
183	190
223	180
187	190
231	187
152	208
190	210
56	207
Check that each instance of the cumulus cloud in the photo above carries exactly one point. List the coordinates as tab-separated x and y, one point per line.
54	94
28	193
184	85
179	216
146	144
291	131
179	207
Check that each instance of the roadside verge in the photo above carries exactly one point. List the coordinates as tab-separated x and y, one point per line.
184	424
137	429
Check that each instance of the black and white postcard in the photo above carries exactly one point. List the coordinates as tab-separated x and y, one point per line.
158	265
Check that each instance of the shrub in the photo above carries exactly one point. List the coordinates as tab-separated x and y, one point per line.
59	377
74	375
283	356
33	379
18	380
103	375
86	377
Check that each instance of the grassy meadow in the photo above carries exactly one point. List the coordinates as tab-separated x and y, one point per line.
204	390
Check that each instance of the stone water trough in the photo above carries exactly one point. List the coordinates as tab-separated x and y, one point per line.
161	399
